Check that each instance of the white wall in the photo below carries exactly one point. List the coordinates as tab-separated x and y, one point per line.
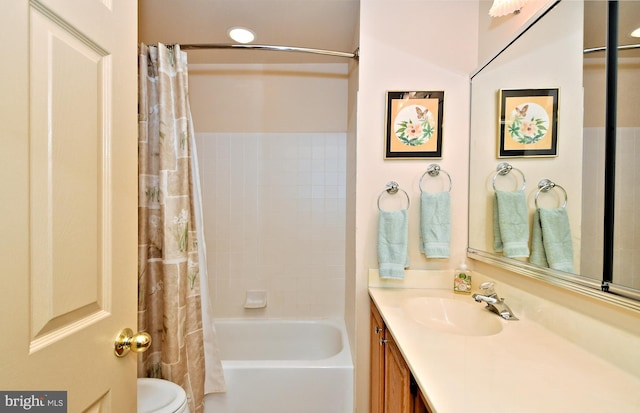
269	97
628	90
409	45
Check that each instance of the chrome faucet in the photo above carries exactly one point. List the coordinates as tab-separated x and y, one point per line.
494	303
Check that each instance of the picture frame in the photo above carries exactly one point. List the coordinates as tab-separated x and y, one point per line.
414	124
528	123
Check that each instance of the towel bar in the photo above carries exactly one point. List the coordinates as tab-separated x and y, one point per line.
503	169
434	170
392	188
545	185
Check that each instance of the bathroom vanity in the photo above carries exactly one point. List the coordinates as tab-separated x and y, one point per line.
462	357
393	387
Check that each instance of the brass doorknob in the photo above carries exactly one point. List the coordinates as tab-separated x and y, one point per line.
126	341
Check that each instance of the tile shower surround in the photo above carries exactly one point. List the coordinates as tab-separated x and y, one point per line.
274	215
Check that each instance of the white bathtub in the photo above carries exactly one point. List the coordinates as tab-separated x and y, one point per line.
282	366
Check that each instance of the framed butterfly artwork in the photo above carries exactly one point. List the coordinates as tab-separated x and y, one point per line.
414	124
528	123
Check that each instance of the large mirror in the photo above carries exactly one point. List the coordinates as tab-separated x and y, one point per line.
554	53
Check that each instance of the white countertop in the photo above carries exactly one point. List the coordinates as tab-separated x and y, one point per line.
523	368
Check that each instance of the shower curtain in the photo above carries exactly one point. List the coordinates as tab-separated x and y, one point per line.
173	299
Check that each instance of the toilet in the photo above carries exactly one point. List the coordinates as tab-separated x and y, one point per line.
161	396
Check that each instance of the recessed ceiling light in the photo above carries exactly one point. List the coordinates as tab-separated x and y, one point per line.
241	34
635	33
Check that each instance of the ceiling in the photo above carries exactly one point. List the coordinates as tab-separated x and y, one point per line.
317	24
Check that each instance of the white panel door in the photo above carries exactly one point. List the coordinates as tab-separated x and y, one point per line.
68	206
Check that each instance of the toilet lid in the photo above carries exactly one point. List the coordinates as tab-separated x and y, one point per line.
160	396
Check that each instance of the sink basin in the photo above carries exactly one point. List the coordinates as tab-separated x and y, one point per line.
453	316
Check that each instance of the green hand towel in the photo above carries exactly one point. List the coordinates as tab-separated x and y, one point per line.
556	238
513	223
435	224
393	236
538	256
497	239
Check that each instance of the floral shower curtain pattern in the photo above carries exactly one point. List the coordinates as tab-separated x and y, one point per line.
169	288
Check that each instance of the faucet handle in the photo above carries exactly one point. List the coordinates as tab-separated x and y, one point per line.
487	287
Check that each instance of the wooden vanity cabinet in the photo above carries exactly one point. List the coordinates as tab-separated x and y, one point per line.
377	340
393	389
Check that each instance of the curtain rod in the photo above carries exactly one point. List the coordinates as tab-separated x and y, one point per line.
603	48
206	46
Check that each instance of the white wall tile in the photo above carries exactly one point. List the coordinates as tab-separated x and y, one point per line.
274	212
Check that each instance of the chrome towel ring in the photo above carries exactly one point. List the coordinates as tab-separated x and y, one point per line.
503	169
392	188
434	170
546	185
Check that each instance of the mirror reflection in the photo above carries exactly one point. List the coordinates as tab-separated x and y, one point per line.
550	55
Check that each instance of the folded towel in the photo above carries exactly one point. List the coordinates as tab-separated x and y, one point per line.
435	224
497	239
393	236
537	257
512	217
554	235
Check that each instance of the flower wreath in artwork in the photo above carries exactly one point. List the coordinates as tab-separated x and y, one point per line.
415	132
526	129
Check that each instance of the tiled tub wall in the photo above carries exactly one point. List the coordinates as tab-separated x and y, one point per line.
274	213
